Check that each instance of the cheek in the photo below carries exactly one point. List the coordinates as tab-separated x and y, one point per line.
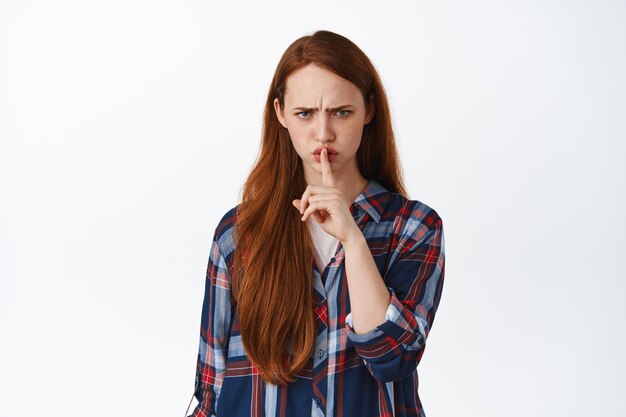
355	134
297	140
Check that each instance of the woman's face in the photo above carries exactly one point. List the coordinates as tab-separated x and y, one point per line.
324	110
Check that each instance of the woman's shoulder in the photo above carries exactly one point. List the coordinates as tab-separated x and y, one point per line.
224	231
414	214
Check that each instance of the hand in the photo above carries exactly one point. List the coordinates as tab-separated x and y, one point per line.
328	206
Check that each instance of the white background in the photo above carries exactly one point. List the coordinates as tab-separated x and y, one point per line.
127	129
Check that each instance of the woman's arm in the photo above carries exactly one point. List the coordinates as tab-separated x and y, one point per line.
392	350
214	334
369	297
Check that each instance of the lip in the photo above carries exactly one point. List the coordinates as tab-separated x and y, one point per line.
318	157
331	150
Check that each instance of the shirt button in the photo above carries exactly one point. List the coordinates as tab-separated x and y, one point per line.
332	260
320	353
317	401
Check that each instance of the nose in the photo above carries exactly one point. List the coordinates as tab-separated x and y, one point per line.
323	129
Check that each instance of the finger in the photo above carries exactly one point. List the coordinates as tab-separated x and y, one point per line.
315	192
310	210
304	200
327	172
318	205
318	217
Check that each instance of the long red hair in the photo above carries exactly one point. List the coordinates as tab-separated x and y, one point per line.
273	280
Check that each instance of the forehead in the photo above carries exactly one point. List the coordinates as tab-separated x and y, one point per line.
314	83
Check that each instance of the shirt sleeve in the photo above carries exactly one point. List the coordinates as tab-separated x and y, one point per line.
393	349
214	334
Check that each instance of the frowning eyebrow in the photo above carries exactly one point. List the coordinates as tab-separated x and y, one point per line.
330	109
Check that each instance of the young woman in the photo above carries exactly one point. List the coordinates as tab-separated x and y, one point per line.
323	283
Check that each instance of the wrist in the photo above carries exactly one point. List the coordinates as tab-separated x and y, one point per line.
354	239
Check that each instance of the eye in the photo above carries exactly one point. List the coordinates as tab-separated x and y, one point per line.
345	112
305	113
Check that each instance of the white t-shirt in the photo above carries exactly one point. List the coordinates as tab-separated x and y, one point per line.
325	245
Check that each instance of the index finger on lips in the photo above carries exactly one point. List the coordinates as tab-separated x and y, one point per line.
327	172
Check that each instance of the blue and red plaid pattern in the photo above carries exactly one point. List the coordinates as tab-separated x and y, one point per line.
349	375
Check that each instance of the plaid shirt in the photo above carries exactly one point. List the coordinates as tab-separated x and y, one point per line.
349	374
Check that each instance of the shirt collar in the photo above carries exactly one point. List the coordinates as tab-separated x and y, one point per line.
372	199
